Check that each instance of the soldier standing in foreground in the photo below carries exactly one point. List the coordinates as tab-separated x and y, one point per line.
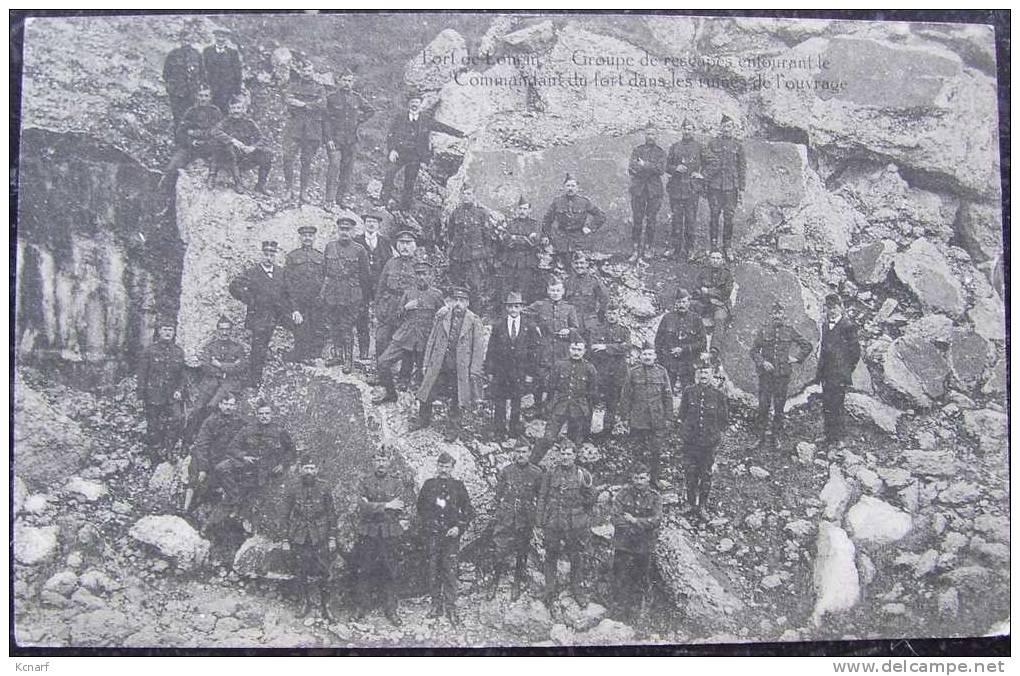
564	511
445	511
161	389
837	359
772	357
585	292
610	346
704	414
305	273
680	341
519	242
637	512
469	235
510	364
556	318
724	167
397	277
514	519
569	221
647	164
310	523
683	165
648	408
573	390
344	290
379	248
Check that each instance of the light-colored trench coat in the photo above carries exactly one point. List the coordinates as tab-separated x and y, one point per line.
470	356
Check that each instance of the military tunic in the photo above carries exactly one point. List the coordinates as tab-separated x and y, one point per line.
633	542
160	375
310	521
183	74
411	337
772	344
248	484
515	508
725	167
379	532
684	191
647	164
264	292
566	218
564	513
552	317
346	111
611	364
344	290
704	414
304	131
212	443
305	274
714	304
245	130
838	354
228	375
648	407
683	330
470	242
573	390
397	277
518	256
410	137
443	503
588	294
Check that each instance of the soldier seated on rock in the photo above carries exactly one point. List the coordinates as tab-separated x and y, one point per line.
712	293
210	449
236	147
310	523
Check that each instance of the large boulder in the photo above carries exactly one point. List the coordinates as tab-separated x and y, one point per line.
886	199
874	522
989	427
968	356
835	494
989	317
48	445
916	105
870	263
931	463
757	288
694	582
979	226
995	382
882	415
101	627
174	538
913	366
433	66
35	545
925	270
836	582
258	556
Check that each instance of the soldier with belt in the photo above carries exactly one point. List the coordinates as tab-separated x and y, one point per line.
445	511
383	500
610	346
192	137
305	273
771	352
648	408
223	370
637	512
573	389
304	130
586	292
417	312
565	501
555	318
683	165
469	237
518	252
571	218
510	364
346	110
161	389
680	340
210	448
397	276
379	248
237	145
183	73
310	523
704	414
713	290
344	290
514	519
724	166
647	164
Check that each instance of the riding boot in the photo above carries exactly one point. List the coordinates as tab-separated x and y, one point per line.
519	582
347	355
326	613
550	578
306	600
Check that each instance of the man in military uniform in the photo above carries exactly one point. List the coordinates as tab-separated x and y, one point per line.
573	389
680	340
513	521
383	499
222	65
417	314
310	524
648	408
379	248
469	235
397	276
237	146
183	73
712	290
223	370
555	318
510	361
570	219
304	130
161	389
344	290
565	501
837	359
346	111
647	164
610	346
585	292
263	289
454	361
192	137
704	414
445	511
210	449
683	164
773	359
724	167
259	455
305	274
408	145
637	512
518	251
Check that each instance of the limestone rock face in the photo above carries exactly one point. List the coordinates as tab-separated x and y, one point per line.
863	407
174	538
968	355
989	427
437	63
836	582
34	545
694	582
870	263
889	201
979	225
914	367
989	317
50	445
872	521
924	269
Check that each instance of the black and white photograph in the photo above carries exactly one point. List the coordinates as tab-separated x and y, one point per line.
506	330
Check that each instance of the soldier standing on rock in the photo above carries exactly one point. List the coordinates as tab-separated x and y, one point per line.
469	235
570	220
379	248
210	449
382	519
610	346
305	273
585	292
556	318
680	340
445	511
771	354
565	501
519	242
637	512
310	523
304	130
346	111
647	164
417	312
514	519
683	164
222	65
704	414
724	167
161	389
183	73
713	290
344	290
648	408
510	364
397	276
263	289
573	389
837	358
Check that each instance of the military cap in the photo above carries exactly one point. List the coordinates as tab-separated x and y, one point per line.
681	292
374	214
686	122
446	459
224	319
576	337
165	319
422	266
569	177
647	345
270	245
415	93
833	300
701	363
514	298
406	236
345	218
566	444
261	403
459	292
639	468
523	201
307	230
725	118
229	394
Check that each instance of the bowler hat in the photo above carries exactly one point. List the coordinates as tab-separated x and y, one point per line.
406	236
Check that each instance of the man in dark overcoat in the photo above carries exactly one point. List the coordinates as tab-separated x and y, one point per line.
837	358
